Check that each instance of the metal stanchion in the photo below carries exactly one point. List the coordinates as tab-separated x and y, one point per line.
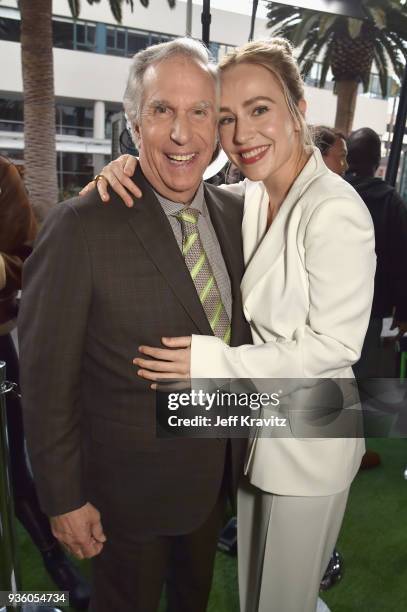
9	569
8	563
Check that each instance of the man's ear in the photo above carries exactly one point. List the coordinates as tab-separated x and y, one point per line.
137	134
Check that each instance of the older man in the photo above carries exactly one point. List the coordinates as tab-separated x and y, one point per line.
101	282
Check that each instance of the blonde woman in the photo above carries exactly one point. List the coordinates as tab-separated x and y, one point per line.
307	292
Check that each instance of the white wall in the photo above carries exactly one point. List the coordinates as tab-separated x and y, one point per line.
78	74
90	76
370	112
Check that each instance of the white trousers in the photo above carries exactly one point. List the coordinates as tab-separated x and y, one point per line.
284	546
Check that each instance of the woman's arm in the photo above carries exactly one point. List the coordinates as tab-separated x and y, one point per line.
340	265
117	174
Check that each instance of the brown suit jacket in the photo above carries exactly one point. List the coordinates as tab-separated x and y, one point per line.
101	281
17	232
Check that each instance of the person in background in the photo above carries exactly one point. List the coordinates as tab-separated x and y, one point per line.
333	147
17	232
389	214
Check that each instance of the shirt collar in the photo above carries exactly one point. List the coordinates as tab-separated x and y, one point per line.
171	208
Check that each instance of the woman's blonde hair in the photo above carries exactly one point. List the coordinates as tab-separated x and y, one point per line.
276	55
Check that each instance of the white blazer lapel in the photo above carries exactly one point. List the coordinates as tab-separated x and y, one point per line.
261	248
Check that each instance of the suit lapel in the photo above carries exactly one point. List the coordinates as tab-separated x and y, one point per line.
149	222
262	249
262	252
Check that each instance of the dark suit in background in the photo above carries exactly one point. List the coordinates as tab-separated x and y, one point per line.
101	282
389	215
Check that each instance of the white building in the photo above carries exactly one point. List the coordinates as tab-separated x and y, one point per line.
91	59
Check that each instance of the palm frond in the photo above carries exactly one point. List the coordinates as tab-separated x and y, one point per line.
382	67
308	48
75	8
326	23
116	8
303	29
393	53
277	14
366	82
400	44
326	64
288	23
286	31
310	56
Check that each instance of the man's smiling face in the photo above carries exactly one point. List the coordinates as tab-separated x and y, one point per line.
177	130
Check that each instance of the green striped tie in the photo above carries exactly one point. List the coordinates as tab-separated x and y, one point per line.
202	274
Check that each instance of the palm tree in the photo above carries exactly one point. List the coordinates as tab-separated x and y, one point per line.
347	46
39	98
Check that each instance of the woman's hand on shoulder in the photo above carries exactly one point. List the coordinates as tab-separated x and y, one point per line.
118	175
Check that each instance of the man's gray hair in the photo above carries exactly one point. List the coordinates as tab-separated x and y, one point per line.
183	47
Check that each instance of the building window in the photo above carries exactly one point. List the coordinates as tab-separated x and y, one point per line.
74	120
159	38
74	171
71	120
124	42
63	34
116	41
11	115
78	35
9	29
84	36
375	90
214	50
110	112
136	41
88	36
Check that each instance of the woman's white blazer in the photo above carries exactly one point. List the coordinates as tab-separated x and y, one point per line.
307	294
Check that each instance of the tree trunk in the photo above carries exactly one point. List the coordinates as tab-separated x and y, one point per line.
347	92
39	104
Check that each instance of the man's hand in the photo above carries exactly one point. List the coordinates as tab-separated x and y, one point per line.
80	531
402	327
172	363
118	175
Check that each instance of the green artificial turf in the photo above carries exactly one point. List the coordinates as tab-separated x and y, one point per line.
373	542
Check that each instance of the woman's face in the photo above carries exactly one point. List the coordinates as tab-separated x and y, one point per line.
256	129
335	157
